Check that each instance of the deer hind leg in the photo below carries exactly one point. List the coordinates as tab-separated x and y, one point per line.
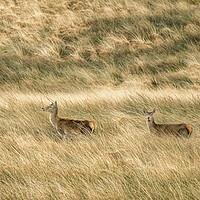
86	130
183	132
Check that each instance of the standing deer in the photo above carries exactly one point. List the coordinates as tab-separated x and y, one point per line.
173	129
68	127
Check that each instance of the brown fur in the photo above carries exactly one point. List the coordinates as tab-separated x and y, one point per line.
190	128
173	129
68	127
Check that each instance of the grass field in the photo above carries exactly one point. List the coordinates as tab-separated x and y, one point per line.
103	60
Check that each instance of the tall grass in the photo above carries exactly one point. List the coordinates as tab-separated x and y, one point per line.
105	41
104	61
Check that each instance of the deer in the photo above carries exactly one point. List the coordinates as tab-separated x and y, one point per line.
182	129
68	127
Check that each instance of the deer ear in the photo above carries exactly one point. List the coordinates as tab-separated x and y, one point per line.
154	110
145	110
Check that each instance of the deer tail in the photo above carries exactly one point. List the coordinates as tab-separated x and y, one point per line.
93	126
190	129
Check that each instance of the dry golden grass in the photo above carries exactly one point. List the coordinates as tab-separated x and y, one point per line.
121	161
104	61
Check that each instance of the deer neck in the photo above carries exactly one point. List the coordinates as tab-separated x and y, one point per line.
53	118
151	124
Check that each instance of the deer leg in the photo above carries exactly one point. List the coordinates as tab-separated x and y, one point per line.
61	133
183	132
86	131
